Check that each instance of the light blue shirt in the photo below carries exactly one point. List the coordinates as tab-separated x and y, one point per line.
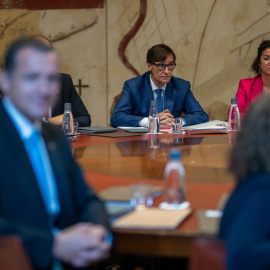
26	129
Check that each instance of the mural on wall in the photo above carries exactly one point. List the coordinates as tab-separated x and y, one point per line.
73	32
215	43
105	43
50	4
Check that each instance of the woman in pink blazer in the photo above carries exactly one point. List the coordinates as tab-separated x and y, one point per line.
249	89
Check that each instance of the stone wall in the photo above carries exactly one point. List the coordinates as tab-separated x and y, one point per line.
215	42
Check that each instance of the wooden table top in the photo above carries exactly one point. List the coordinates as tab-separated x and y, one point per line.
109	162
205	158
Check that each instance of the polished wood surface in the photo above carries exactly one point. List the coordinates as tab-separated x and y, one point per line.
110	162
205	158
170	243
13	255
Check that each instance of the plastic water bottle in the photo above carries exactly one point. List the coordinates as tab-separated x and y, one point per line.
68	122
174	179
234	116
153	119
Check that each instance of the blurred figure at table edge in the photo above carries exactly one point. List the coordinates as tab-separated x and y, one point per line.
173	94
67	94
250	89
245	224
54	212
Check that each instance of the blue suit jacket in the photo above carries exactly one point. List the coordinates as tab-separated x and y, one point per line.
245	224
137	93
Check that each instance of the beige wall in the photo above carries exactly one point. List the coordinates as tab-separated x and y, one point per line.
214	40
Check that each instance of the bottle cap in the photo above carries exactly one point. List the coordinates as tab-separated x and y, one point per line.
153	103
234	101
175	154
67	105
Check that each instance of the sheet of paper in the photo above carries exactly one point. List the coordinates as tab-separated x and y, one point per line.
152	218
215	124
209	224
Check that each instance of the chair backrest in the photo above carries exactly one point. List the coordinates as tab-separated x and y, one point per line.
13	255
207	254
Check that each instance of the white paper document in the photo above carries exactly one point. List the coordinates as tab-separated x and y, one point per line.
215	126
134	129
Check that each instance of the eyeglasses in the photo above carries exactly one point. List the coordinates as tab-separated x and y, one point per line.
163	66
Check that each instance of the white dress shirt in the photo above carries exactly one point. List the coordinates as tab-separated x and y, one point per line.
144	121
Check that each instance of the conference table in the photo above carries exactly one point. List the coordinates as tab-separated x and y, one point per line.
125	159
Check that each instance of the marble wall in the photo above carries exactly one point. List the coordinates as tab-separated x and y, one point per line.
215	42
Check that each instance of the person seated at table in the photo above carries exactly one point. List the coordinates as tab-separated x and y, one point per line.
67	94
173	95
44	198
245	224
251	88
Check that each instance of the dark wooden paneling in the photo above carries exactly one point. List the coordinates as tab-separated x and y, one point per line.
51	4
88	3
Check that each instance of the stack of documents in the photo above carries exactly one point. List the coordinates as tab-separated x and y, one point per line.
214	126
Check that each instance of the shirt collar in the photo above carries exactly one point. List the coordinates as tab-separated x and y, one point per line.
154	87
24	127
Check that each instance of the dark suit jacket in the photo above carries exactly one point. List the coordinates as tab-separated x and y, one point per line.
134	103
69	94
245	224
22	211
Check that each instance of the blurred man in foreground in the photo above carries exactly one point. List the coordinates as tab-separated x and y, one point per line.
44	199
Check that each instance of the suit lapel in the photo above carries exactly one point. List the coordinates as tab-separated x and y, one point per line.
257	87
147	92
23	172
169	96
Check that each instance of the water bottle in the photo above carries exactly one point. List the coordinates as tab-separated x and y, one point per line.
174	179
68	122
153	119
234	116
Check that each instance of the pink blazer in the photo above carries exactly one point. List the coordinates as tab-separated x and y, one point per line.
248	90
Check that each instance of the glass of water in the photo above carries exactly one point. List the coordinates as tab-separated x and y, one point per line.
141	196
177	125
76	124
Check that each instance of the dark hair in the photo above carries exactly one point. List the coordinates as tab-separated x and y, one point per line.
255	67
15	47
159	53
251	152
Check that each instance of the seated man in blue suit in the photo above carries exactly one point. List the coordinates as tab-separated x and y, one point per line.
173	95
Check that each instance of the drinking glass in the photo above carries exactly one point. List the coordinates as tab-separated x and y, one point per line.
141	196
177	125
75	132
